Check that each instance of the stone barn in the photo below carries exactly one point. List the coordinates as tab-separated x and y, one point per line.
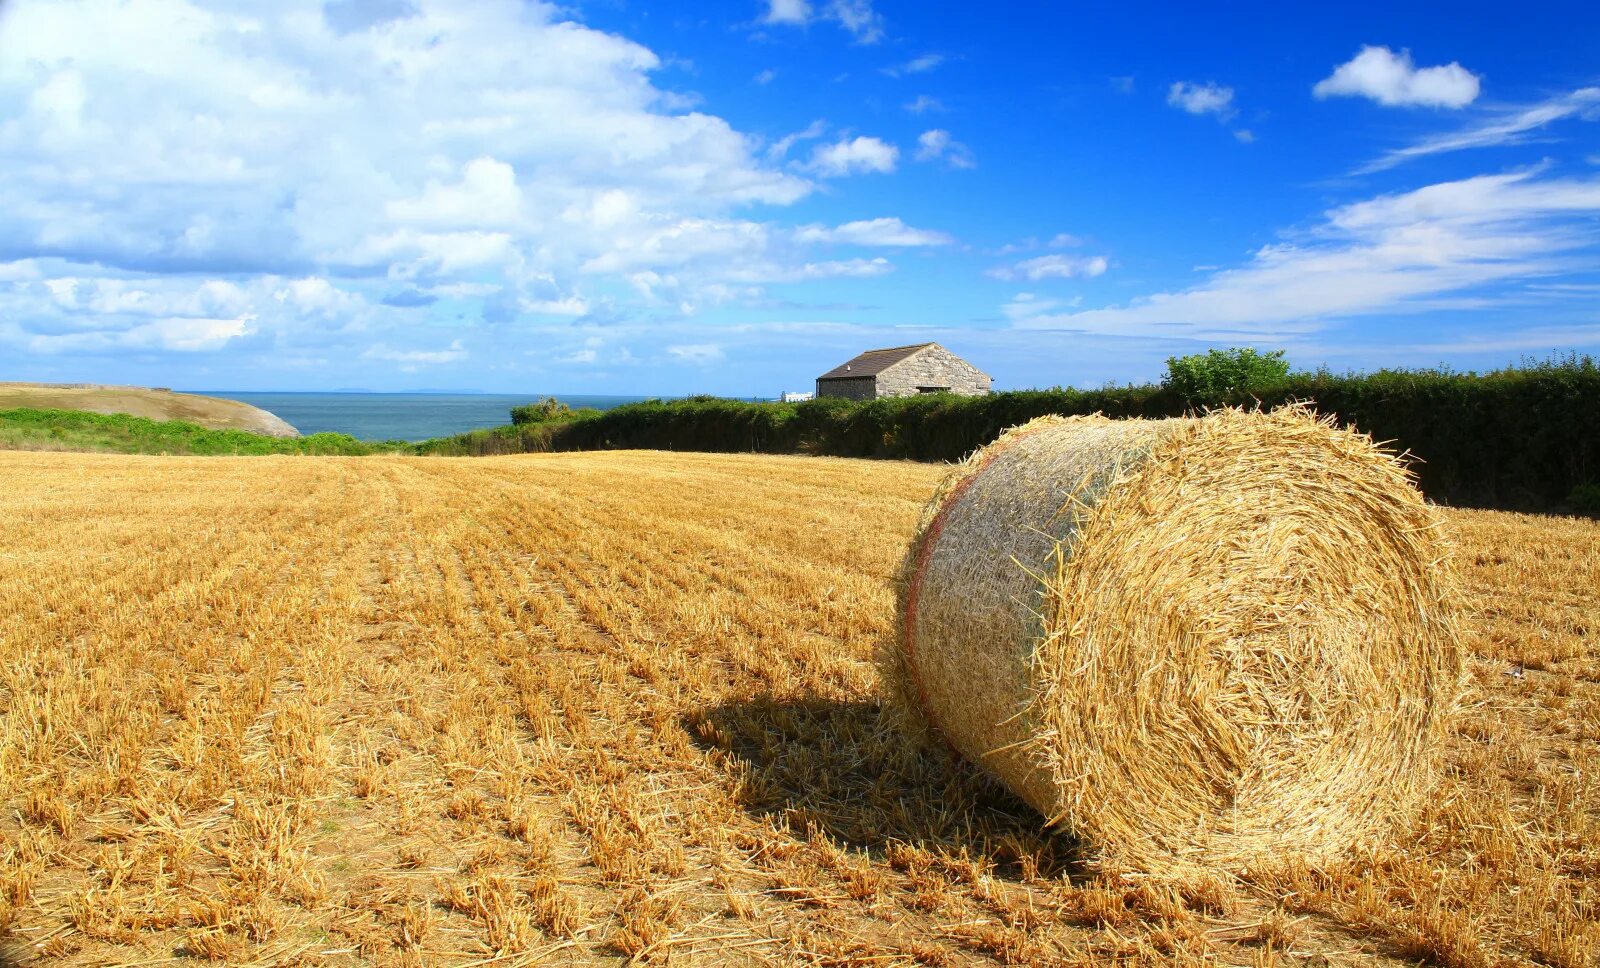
903	371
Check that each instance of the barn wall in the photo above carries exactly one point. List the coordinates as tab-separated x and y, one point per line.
933	367
850	388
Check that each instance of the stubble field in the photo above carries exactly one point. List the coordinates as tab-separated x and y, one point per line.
599	707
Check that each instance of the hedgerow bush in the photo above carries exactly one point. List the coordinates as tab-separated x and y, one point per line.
547	410
1217	373
1519	437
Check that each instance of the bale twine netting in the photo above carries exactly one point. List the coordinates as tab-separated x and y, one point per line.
1195	643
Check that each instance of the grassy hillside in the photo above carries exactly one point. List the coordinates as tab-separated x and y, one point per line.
588	708
211	412
29	429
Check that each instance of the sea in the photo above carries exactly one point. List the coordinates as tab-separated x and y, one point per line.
401	416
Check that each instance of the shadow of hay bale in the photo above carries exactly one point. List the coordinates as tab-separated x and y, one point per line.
843	769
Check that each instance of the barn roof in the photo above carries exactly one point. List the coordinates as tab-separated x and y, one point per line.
873	362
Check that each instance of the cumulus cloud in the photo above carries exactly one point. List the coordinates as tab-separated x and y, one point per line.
877	231
1205	98
1392	80
1504	127
937	145
1053	267
410	158
1394	253
69	309
852	156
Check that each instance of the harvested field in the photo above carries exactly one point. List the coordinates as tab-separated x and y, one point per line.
598	707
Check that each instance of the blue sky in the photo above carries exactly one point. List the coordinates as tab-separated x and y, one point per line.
663	198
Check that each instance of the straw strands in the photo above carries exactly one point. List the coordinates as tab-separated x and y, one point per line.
1193	642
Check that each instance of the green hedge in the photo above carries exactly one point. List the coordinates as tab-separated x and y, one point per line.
1523	437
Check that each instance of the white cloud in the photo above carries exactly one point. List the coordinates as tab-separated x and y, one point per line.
1054	267
21	270
1507	127
765	77
191	335
788	12
1389	254
877	231
831	269
179	335
487	194
454	353
698	354
781	147
923	104
566	306
853	155
937	144
856	16
349	168
916	65
1245	135
1393	80
1202	98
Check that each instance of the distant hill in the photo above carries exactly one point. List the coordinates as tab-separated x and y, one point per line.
154	404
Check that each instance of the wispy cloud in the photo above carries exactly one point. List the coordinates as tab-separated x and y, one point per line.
923	104
1390	254
698	354
781	147
1053	267
916	65
877	231
1508	126
1393	80
417	357
937	145
856	16
787	12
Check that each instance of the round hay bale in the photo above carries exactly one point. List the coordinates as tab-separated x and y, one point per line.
1193	642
